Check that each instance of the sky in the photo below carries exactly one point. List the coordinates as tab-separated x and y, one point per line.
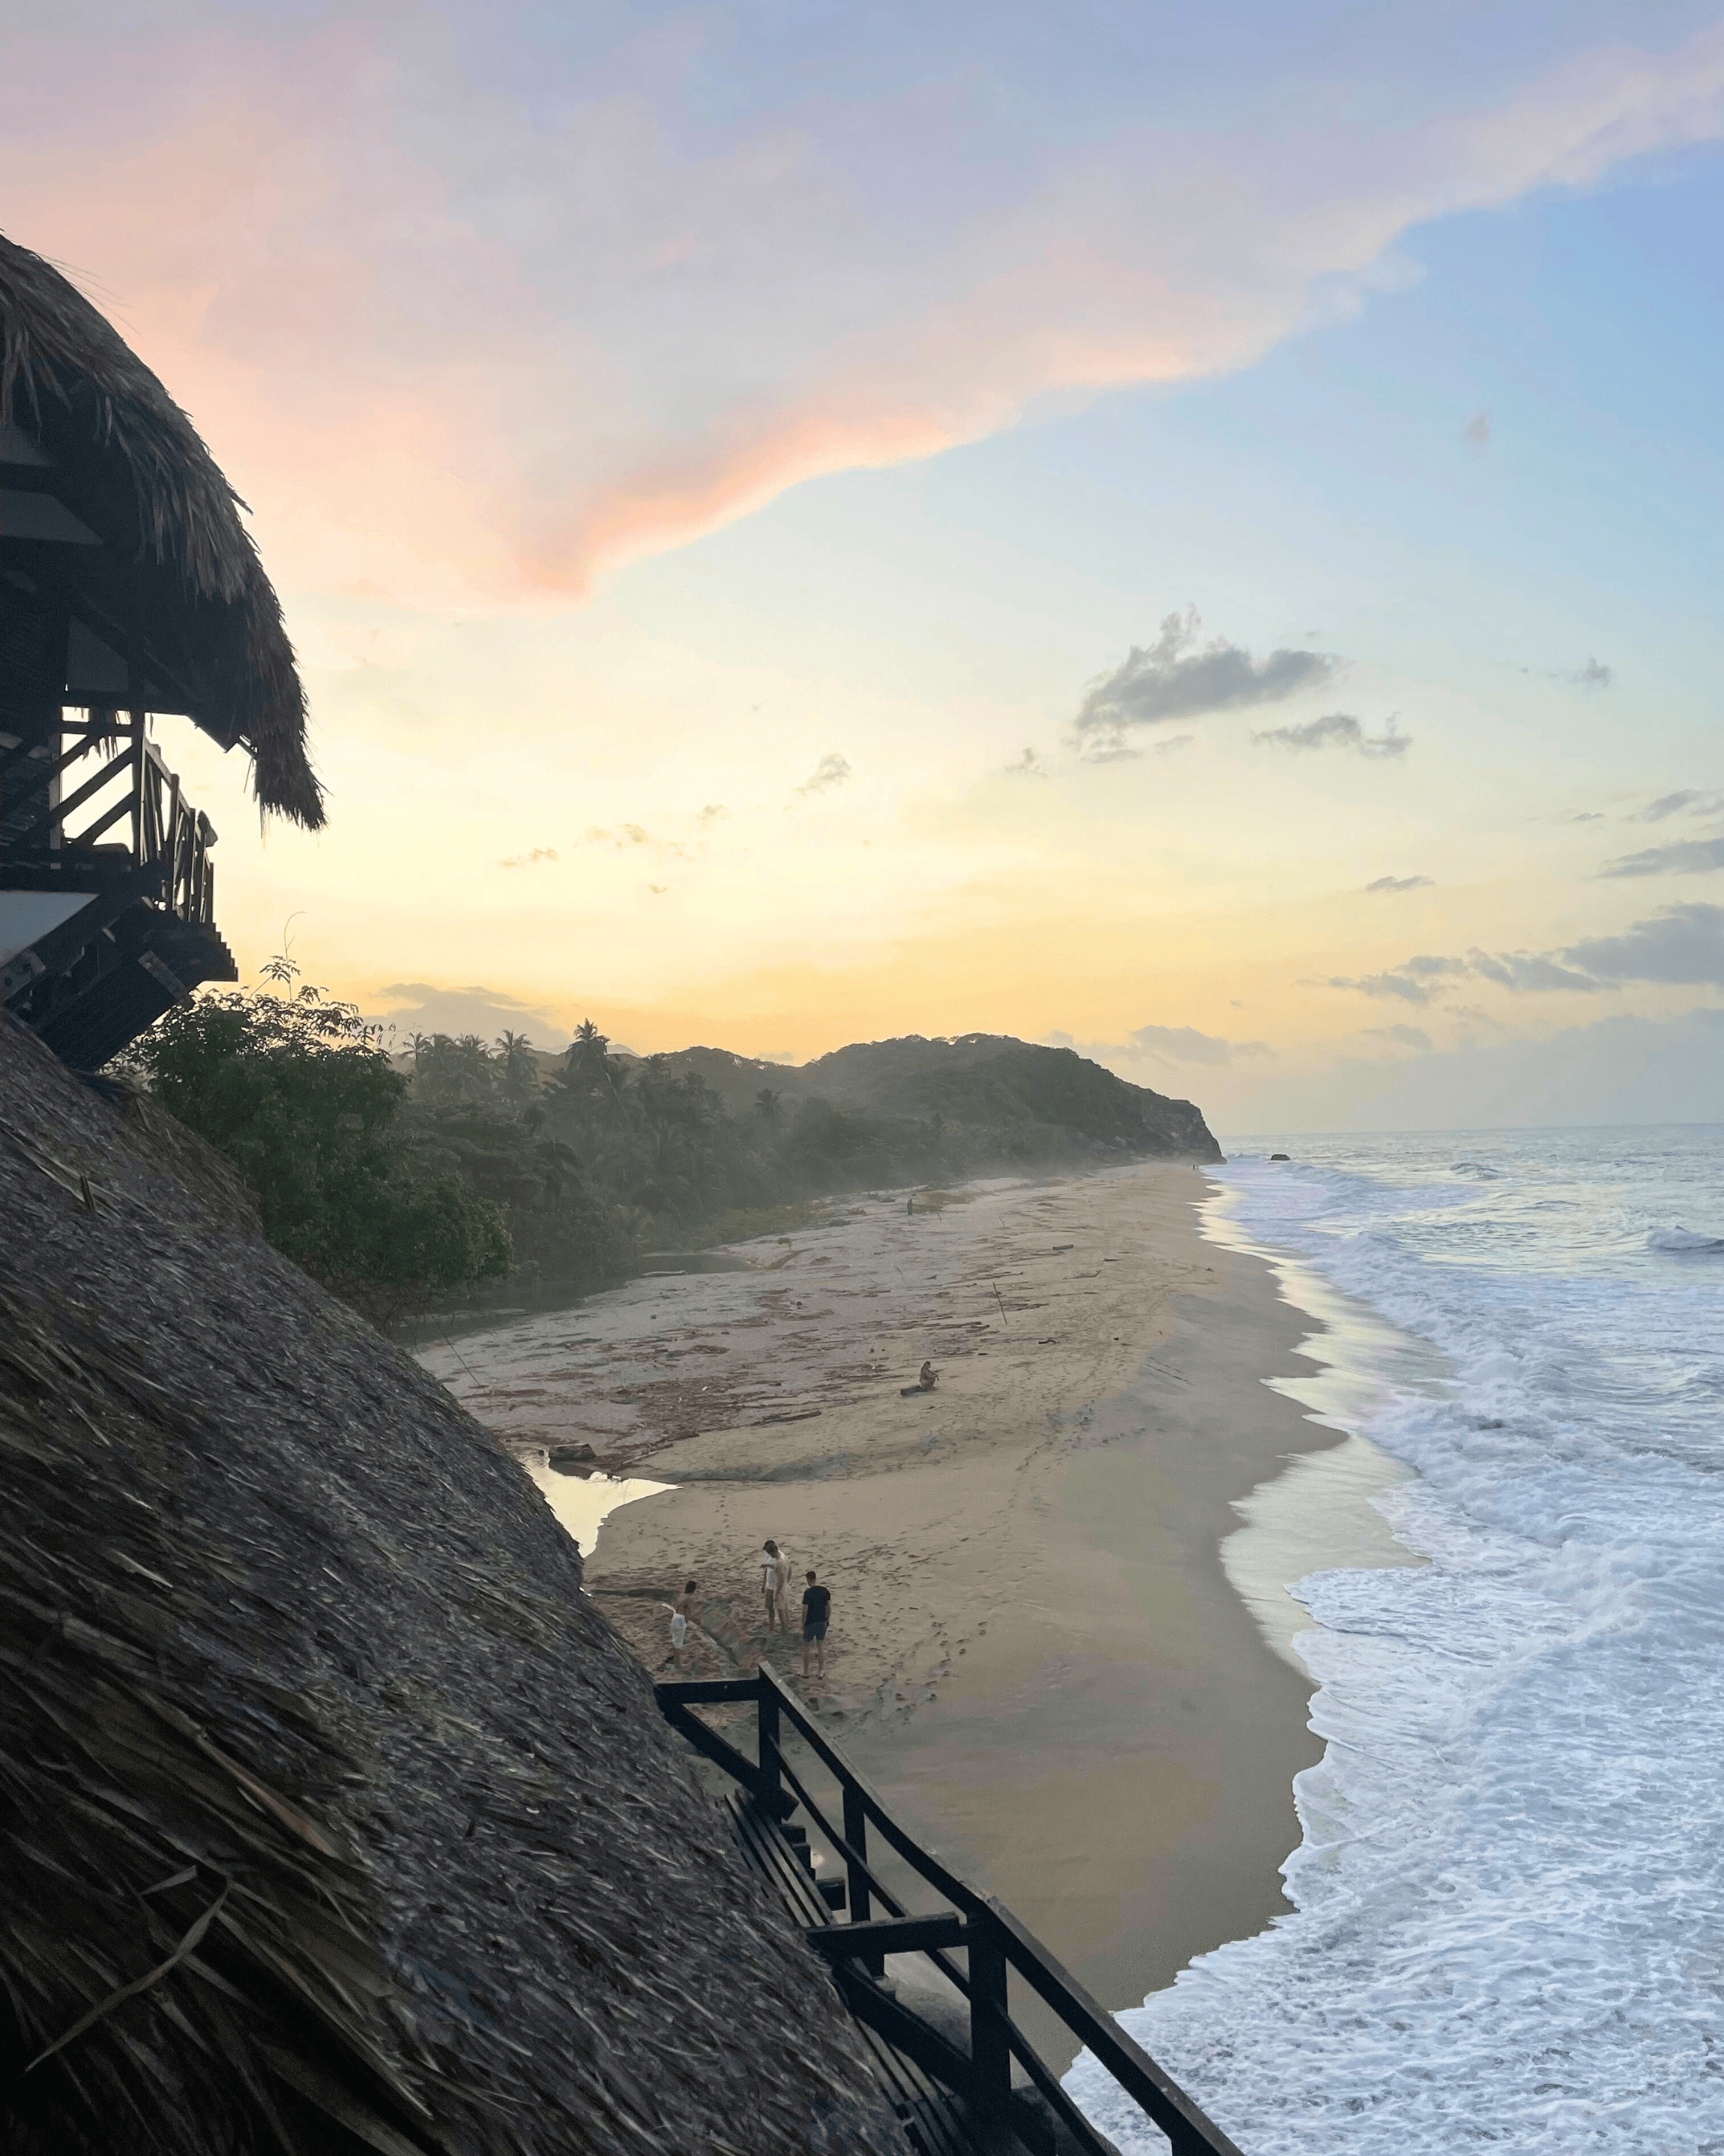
1188	531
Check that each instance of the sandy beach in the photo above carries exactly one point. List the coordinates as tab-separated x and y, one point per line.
1036	1652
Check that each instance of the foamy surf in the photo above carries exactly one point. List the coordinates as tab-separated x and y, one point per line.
1508	1924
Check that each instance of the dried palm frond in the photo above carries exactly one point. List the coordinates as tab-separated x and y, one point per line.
333	1816
137	472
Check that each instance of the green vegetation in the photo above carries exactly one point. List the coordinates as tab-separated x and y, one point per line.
407	1182
298	1095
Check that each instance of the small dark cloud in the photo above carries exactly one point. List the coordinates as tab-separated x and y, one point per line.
1477	433
618	837
1592	675
1179	677
526	860
832	770
714	812
1174	743
1029	765
1339	729
1688	801
1184	1043
1400	883
1586	816
1683	857
658	889
1403	1036
1684	946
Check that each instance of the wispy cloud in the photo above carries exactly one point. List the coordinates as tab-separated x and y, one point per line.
714	812
526	860
627	837
1180	676
1339	729
1528	973
1030	765
1388	883
1184	1043
1402	1036
1686	801
1681	857
1392	985
1421	980
833	770
1477	433
1164	1044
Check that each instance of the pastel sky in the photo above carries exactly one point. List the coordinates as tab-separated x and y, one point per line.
1190	530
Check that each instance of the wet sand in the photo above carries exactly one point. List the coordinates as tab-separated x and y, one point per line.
1036	1652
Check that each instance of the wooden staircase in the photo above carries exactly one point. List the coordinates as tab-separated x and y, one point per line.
963	2077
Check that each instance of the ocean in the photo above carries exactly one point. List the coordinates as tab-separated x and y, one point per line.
1508	1928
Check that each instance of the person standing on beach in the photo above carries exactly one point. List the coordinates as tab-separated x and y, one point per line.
769	1564
682	1615
783	1595
816	1614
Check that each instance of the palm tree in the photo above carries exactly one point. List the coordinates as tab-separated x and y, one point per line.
521	1074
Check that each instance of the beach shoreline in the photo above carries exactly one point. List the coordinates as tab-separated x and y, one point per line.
1036	1651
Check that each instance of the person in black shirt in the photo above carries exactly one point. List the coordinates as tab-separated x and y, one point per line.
816	1608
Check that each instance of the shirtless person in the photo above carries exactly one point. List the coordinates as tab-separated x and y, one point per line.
816	1614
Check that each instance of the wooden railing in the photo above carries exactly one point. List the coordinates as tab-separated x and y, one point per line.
991	1939
131	785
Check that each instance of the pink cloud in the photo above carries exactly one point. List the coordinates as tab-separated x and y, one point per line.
456	353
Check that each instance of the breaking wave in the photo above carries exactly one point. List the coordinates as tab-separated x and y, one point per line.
1508	1926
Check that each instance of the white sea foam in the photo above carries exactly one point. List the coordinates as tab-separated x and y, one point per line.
1509	1926
1682	1239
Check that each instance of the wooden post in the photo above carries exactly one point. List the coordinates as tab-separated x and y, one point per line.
855	1874
140	781
768	1736
170	839
990	2056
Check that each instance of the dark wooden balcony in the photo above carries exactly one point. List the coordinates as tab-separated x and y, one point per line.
107	891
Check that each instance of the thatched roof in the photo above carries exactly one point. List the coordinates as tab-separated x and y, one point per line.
131	466
333	1816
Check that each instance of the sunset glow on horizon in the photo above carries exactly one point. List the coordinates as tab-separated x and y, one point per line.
1169	530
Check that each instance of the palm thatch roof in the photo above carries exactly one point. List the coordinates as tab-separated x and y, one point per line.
333	1816
186	582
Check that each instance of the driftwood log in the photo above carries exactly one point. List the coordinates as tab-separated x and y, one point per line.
333	1816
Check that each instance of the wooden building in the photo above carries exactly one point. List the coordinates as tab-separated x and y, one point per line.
129	586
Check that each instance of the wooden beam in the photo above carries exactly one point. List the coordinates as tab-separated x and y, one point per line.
885	1935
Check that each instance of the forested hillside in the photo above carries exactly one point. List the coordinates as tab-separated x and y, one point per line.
401	1181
